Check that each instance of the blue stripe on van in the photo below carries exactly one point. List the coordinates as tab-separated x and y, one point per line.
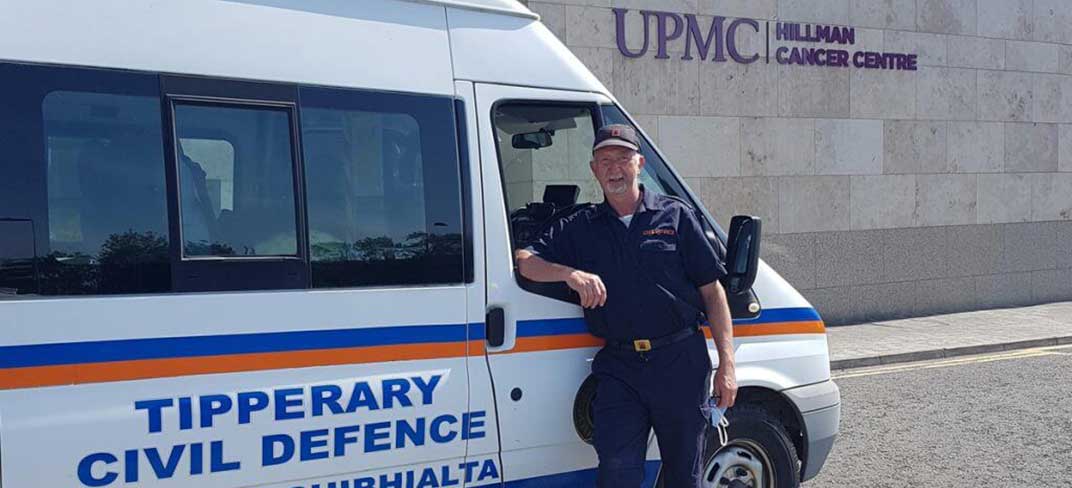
782	315
546	327
177	347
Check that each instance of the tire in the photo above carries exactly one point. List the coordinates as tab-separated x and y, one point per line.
757	442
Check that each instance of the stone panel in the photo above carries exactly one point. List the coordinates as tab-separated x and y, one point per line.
886	301
915	147
738	89
1052	21
917	254
1051	286
553	16
883	202
1052	197
946	16
1064	60
1031	56
726	197
846	258
930	49
1007	19
1053	98
657	86
595	27
776	146
702	146
946	199
883	94
837	306
600	61
813	203
1004	290
848	147
947	94
793	257
934	297
813	92
868	40
1064	245
1030	247
975	249
1065	148
826	12
1006	96
1004	198
1030	148
977	147
976	52
649	124
883	14
754	9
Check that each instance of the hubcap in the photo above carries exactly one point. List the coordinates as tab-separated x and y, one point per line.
740	464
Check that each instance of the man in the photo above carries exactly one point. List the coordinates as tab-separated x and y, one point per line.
647	276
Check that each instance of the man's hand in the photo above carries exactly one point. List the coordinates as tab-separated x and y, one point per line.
725	387
591	288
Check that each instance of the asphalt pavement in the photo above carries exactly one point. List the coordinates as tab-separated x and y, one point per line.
997	420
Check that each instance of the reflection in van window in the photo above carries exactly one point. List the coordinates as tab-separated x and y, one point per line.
107	213
542	145
236	181
383	186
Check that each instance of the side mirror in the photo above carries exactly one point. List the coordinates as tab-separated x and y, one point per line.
531	140
742	253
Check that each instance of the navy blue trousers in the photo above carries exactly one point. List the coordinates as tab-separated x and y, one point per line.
665	390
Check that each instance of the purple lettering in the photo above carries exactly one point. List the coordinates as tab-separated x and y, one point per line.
910	63
779	55
822	33
695	35
619	20
783	32
731	41
663	37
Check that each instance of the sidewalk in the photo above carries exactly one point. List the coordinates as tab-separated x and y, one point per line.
940	336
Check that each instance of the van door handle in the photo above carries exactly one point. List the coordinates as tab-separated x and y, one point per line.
495	327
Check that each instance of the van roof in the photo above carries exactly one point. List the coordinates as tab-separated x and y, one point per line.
506	7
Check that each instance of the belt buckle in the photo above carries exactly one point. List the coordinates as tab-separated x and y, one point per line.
641	345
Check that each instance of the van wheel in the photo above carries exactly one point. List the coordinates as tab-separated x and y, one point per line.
759	454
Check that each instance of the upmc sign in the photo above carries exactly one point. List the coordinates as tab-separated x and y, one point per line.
719	40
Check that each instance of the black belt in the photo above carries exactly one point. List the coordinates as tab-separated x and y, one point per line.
645	345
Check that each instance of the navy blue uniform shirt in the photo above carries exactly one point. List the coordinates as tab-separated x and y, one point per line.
652	269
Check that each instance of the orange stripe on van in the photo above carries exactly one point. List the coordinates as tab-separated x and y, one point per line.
72	374
574	341
556	342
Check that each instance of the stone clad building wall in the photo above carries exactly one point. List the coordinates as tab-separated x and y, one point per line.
885	193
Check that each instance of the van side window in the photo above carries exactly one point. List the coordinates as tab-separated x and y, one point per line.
236	181
384	189
82	192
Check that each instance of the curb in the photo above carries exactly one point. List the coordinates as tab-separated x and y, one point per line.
949	352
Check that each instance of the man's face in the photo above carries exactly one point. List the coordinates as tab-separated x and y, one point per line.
616	168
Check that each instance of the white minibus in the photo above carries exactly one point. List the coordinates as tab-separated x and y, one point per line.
269	243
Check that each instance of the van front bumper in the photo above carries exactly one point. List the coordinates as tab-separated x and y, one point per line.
820	410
